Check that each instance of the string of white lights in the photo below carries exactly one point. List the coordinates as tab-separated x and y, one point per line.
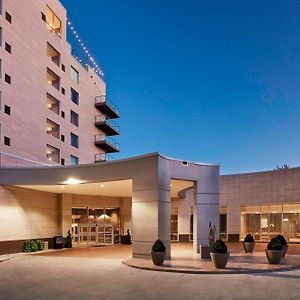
91	59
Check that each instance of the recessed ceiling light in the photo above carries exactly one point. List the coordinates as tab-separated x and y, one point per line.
72	181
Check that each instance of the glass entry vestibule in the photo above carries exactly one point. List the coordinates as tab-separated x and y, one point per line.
95	226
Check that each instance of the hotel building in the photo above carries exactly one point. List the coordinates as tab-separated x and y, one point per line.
56	122
53	109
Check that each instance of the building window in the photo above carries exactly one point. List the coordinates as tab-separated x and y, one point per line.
6	141
43	17
52	154
74	75
1	6
7	109
62	161
0	105
74	160
0	36
74	96
53	54
8	47
74	140
74	118
62	114
8	17
223	223
53	22
52	104
62	138
53	129
63	67
0	68
7	79
53	79
63	91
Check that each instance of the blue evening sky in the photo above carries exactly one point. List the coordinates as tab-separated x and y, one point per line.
210	81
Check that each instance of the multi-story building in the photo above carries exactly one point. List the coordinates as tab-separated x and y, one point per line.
53	108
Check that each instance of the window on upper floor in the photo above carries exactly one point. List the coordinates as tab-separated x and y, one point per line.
74	96
53	54
74	160
1	7
8	47
7	79
74	75
52	153
6	141
74	140
53	129
7	109
74	118
0	36
53	22
52	104
53	79
8	17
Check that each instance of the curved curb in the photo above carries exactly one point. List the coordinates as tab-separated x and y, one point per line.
219	272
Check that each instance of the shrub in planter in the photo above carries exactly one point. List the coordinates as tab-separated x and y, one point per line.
219	254
158	253
283	242
30	246
274	251
40	244
249	243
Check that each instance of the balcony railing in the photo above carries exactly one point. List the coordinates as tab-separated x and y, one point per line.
106	124
101	157
107	107
106	143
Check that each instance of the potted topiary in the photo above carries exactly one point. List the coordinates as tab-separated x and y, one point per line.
219	254
274	251
158	253
249	243
283	243
30	246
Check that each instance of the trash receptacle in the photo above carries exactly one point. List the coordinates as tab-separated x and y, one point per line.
58	242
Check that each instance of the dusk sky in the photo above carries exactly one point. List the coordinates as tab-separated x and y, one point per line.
207	81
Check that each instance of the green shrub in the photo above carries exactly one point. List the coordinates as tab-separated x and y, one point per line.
30	246
158	246
274	244
248	238
40	245
281	239
219	247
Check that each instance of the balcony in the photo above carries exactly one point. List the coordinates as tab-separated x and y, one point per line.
106	125
102	157
108	144
107	107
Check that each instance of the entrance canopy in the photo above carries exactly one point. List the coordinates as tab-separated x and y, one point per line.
151	178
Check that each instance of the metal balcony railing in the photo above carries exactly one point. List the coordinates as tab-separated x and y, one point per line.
103	157
104	99
108	121
107	139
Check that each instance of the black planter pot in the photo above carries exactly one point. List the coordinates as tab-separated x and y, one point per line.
248	247
274	256
158	258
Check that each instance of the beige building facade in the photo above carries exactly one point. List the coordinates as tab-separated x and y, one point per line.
53	108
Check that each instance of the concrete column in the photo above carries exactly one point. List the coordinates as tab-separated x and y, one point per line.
65	213
206	209
151	213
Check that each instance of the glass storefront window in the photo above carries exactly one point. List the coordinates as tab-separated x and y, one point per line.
267	221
